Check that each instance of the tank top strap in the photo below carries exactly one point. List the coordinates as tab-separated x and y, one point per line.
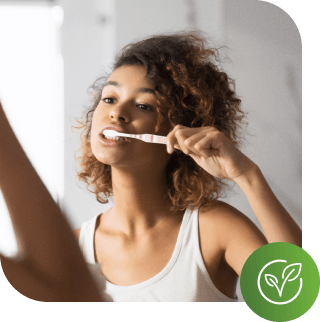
195	241
86	239
188	229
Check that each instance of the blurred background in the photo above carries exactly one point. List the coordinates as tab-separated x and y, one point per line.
52	51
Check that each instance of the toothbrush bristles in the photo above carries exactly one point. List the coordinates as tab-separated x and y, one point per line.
111	133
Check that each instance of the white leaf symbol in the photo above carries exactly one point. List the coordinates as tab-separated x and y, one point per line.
298	265
290	273
272	281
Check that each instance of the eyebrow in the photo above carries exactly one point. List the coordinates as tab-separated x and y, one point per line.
139	90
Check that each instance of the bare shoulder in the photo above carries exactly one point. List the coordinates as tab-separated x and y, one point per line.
235	233
226	219
221	209
77	233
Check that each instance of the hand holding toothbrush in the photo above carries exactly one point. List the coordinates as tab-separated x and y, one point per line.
210	148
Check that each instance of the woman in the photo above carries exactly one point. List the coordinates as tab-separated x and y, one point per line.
167	237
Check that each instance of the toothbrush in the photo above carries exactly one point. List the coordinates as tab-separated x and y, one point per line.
150	138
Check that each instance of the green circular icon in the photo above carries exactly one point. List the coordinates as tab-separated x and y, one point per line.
279	282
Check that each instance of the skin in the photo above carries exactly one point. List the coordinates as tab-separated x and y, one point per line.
48	268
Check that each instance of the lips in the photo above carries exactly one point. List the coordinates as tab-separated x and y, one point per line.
112	142
111	127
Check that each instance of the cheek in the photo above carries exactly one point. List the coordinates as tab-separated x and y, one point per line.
154	128
163	130
94	144
95	120
94	134
164	126
95	128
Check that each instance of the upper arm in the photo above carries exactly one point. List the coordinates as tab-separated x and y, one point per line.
77	233
244	238
238	235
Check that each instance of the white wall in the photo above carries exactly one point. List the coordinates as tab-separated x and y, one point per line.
140	18
265	48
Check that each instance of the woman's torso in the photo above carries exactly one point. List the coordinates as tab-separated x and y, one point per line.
128	263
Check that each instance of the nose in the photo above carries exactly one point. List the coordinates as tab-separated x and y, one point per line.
119	113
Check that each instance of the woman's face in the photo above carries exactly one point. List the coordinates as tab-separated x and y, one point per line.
128	104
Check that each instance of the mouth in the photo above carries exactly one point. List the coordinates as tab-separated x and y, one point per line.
112	140
111	127
118	140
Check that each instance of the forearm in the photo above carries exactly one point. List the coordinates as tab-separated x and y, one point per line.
275	221
45	239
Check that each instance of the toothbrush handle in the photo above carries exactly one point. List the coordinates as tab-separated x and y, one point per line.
150	138
154	138
135	136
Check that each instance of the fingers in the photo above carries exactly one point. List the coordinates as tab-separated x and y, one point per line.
180	135
177	136
192	140
171	138
198	144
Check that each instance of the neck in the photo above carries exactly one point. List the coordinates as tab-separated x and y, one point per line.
140	199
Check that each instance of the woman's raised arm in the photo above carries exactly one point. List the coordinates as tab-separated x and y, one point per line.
216	154
49	265
275	221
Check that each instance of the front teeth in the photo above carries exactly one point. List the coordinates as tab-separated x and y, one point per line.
117	138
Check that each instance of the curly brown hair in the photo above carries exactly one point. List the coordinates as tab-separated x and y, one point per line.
192	91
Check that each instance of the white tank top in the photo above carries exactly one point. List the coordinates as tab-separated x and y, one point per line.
184	279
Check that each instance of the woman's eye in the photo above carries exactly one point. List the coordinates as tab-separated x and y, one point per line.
108	100
144	107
